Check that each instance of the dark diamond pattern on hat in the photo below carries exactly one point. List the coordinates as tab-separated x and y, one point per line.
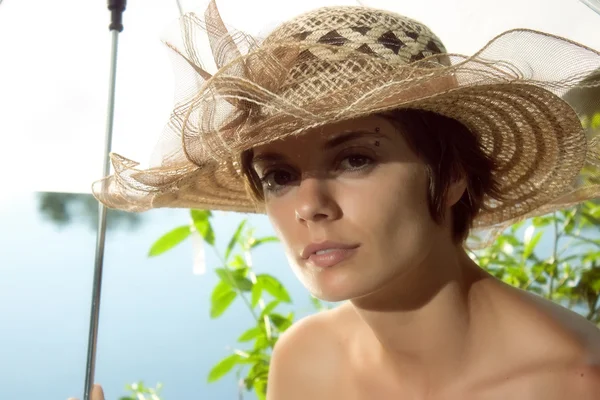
306	55
333	38
391	41
305	58
302	35
365	48
417	57
433	47
361	29
412	34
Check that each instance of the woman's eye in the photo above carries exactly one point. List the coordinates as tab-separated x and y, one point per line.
274	180
356	161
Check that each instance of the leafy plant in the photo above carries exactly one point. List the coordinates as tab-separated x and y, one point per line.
140	392
591	122
567	273
263	295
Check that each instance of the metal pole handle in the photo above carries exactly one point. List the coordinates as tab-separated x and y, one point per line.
116	8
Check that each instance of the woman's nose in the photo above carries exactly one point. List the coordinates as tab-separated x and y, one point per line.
315	201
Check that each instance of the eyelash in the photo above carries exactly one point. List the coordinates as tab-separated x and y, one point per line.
269	172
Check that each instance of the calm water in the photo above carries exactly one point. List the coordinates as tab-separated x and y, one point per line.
154	323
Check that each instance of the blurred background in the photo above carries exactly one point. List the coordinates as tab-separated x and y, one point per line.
155	321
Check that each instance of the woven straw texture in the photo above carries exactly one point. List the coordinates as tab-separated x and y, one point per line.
338	63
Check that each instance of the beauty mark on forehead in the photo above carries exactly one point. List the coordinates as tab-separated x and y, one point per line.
348	136
331	143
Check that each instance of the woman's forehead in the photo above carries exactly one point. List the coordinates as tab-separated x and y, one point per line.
370	124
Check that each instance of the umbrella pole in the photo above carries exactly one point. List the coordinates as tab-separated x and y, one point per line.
116	8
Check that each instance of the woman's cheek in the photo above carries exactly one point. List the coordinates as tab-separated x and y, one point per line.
282	220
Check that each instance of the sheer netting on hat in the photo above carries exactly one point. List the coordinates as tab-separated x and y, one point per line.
338	63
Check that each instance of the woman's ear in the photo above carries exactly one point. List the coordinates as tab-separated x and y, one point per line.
456	189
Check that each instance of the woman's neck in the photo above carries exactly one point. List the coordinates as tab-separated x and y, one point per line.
423	323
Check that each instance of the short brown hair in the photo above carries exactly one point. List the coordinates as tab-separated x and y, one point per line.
449	150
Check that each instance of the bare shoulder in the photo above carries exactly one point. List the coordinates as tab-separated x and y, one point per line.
306	358
584	382
561	327
555	348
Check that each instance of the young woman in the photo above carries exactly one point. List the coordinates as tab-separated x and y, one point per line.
375	155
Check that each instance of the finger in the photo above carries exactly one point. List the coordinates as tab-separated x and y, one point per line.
97	393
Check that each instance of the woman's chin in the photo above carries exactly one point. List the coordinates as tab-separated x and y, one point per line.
330	297
337	290
341	282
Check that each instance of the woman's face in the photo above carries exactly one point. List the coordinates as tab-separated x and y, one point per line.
355	190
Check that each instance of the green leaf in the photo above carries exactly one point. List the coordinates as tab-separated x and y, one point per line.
595	124
244	284
550	267
170	240
261	344
540	222
220	289
234	239
223	367
591	219
517	276
269	308
274	287
530	245
538	269
260	388
139	390
258	372
512	240
138	387
592	257
222	297
528	234
250	334
316	303
203	226
570	225
247	238
238	262
257	242
235	278
281	322
256	293
200	214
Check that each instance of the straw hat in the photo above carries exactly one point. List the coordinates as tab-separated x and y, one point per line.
338	63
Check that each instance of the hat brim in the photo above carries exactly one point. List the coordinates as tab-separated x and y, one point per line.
508	95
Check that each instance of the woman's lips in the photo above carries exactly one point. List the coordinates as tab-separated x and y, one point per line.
331	257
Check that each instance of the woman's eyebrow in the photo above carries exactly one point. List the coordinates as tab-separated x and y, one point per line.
329	144
267	157
351	135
